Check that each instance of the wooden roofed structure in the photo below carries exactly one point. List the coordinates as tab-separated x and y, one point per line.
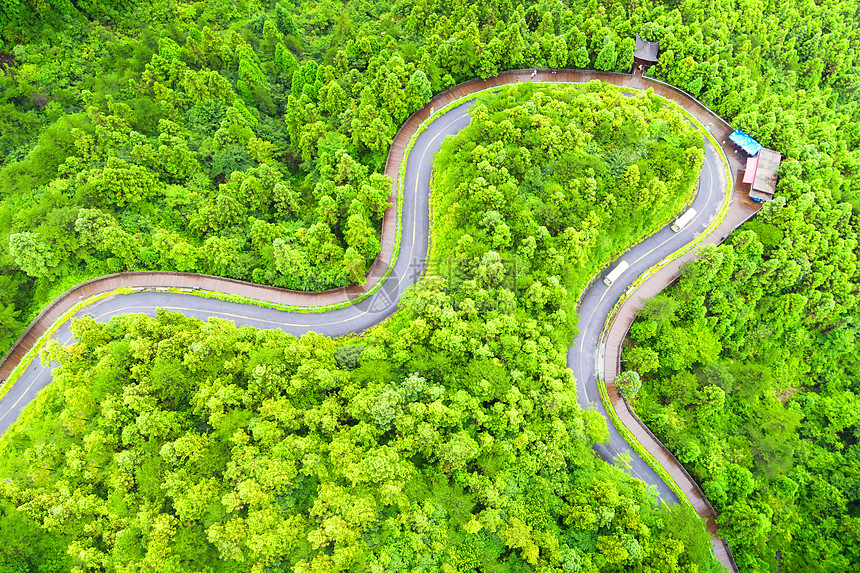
646	53
764	180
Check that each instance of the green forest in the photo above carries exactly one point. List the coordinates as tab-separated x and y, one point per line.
247	139
446	439
749	374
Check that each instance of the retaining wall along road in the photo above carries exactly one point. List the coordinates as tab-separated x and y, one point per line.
740	209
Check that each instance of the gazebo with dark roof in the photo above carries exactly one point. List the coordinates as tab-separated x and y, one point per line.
646	53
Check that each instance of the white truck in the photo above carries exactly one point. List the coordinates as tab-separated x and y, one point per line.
616	272
684	220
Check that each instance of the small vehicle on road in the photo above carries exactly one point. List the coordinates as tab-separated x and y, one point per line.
684	220
616	272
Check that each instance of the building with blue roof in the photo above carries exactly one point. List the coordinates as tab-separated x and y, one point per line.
745	142
762	166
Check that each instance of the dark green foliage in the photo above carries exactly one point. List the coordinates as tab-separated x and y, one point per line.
349	357
628	384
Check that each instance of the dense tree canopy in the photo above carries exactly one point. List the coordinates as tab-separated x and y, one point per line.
749	370
245	139
148	123
447	439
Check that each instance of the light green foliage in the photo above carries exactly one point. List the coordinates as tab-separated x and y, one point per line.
642	359
450	438
573	135
119	184
271	449
252	84
579	58
207	90
31	254
285	62
607	56
187	167
84	82
754	384
418	89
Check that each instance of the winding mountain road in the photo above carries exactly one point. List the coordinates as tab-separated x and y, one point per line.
595	304
598	300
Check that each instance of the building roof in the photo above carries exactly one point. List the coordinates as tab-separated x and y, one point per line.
646	50
764	184
745	142
749	174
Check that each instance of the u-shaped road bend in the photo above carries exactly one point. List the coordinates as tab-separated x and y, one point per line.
595	304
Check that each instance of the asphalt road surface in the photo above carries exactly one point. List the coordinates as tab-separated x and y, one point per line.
595	304
597	301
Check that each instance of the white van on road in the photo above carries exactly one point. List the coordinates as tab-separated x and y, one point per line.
616	272
684	220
